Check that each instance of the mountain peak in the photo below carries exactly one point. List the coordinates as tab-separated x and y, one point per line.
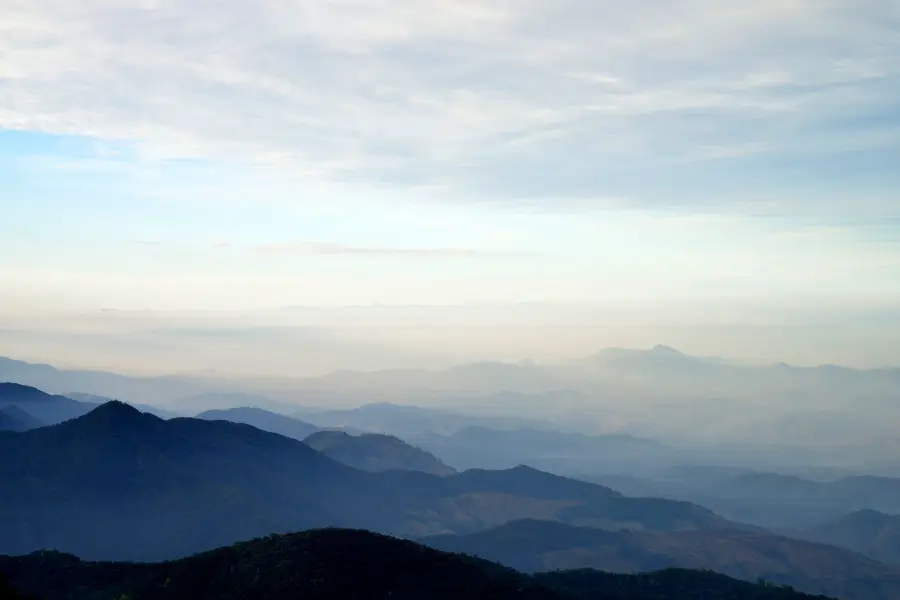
117	413
667	350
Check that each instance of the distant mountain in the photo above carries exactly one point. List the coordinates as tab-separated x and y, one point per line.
768	499
542	545
408	422
353	565
120	484
477	446
13	418
111	385
226	400
46	409
869	532
376	452
263	419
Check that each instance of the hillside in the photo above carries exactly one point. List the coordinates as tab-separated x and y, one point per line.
47	409
815	568
869	532
376	452
344	564
263	419
13	418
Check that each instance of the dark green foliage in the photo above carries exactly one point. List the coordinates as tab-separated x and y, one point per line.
349	564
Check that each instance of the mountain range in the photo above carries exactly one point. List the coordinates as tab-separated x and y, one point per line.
376	452
262	419
120	484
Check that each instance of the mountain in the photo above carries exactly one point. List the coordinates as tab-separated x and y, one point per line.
124	485
328	564
134	389
119	483
542	545
375	452
45	408
408	422
869	532
97	400
263	419
346	565
477	446
13	418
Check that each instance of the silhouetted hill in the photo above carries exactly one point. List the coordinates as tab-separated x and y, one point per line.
263	419
13	418
45	408
869	532
375	452
540	545
344	565
326	564
121	484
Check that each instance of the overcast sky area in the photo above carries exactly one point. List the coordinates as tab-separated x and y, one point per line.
549	178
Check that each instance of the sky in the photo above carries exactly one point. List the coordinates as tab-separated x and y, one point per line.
719	176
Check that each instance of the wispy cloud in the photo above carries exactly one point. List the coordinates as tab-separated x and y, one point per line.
318	248
527	98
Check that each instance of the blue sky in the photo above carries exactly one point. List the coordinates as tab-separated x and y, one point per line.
665	157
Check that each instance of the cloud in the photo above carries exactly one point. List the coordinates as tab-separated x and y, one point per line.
339	249
334	249
486	98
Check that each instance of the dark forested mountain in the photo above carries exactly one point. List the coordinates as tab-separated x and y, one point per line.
263	419
121	484
96	400
45	408
13	418
376	452
541	545
870	532
344	565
